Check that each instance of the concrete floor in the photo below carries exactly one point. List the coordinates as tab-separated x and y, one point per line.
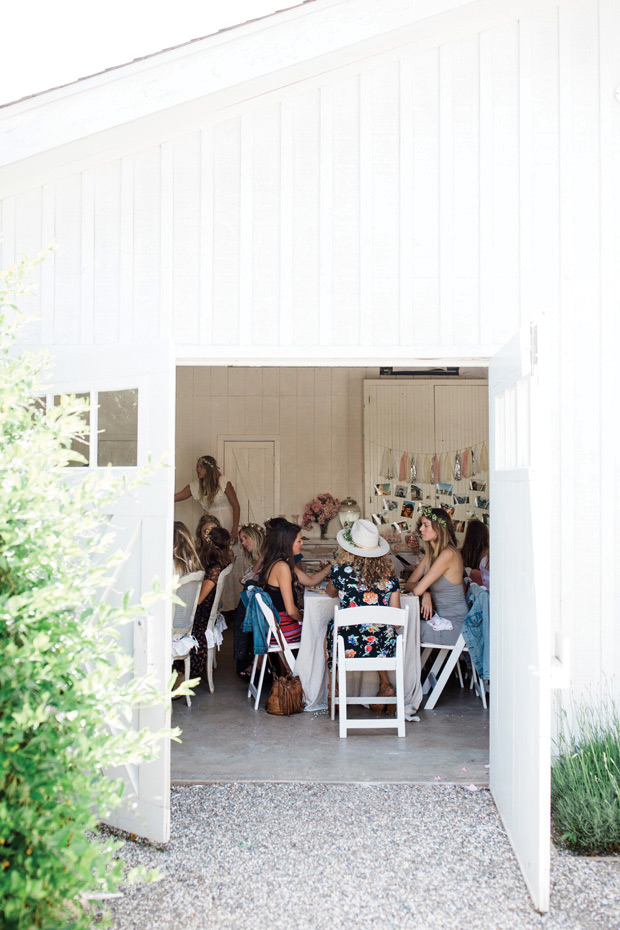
224	739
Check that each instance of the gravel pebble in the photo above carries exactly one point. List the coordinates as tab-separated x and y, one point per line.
362	856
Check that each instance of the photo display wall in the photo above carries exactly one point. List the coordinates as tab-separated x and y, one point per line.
425	445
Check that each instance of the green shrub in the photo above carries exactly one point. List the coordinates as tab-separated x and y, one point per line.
64	698
585	779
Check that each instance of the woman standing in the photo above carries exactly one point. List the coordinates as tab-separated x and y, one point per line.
363	575
215	494
438	579
216	555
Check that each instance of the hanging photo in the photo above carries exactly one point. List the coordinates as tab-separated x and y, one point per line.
390	504
401	527
444	489
481	502
408	509
460	499
416	493
485	518
421	506
460	526
379	518
401	490
477	485
384	488
448	509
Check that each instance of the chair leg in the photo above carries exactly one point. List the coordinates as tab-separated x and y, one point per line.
400	687
441	655
342	691
260	682
210	657
186	671
333	685
443	678
251	684
460	673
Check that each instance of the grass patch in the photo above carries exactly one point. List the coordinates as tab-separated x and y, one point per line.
585	779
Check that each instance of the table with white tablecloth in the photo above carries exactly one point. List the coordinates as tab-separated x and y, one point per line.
311	665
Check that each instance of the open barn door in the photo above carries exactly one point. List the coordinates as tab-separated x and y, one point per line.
520	434
131	391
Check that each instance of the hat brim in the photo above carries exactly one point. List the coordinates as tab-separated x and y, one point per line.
382	549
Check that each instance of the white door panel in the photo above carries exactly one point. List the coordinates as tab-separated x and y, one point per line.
251	467
520	609
142	523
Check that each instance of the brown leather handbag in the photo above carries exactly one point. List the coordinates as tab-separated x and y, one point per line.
286	696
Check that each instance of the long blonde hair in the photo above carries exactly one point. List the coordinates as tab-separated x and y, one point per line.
368	570
445	537
184	556
256	533
210	484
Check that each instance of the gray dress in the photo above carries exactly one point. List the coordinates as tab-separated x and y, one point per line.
449	602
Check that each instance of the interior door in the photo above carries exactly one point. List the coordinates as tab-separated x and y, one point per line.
251	467
131	391
521	603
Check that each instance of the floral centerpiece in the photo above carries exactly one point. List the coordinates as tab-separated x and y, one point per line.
320	510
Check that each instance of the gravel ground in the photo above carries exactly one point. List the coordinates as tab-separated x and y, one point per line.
313	856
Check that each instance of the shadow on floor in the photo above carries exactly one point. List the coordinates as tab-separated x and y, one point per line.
224	739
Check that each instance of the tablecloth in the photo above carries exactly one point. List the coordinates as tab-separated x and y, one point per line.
311	665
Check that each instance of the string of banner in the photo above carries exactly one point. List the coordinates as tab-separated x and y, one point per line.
433	467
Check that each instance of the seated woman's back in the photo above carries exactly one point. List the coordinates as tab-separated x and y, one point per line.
276	574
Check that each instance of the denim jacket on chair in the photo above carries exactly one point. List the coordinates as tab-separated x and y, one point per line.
476	629
255	621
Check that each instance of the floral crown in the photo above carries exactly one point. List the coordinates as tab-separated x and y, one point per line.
428	512
203	461
206	534
252	526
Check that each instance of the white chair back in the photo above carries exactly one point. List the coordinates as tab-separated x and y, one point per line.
274	630
183	614
219	591
397	617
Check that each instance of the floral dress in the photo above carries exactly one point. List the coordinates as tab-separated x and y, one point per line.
197	668
362	640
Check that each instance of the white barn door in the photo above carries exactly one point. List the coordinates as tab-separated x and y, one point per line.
520	607
251	467
131	391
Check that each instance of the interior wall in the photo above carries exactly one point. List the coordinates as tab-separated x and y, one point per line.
316	412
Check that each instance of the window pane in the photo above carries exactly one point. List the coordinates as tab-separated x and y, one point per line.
81	442
118	428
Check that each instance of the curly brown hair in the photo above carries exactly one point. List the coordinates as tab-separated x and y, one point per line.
369	571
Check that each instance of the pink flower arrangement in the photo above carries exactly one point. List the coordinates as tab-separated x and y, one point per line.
320	510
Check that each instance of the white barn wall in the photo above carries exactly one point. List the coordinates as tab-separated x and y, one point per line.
421	201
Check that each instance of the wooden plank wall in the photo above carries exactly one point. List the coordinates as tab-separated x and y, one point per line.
373	206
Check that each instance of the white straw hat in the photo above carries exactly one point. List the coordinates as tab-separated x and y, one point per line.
362	538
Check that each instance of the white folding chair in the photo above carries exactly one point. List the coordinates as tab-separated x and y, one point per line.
213	618
443	666
375	616
183	615
273	645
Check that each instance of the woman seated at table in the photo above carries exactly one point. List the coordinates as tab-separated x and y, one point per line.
475	552
438	579
215	555
302	579
205	524
363	575
276	572
251	538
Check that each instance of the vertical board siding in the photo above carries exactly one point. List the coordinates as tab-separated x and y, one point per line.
384	122
147	291
226	244
499	183
265	306
28	223
373	207
425	179
306	214
67	262
186	238
106	259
